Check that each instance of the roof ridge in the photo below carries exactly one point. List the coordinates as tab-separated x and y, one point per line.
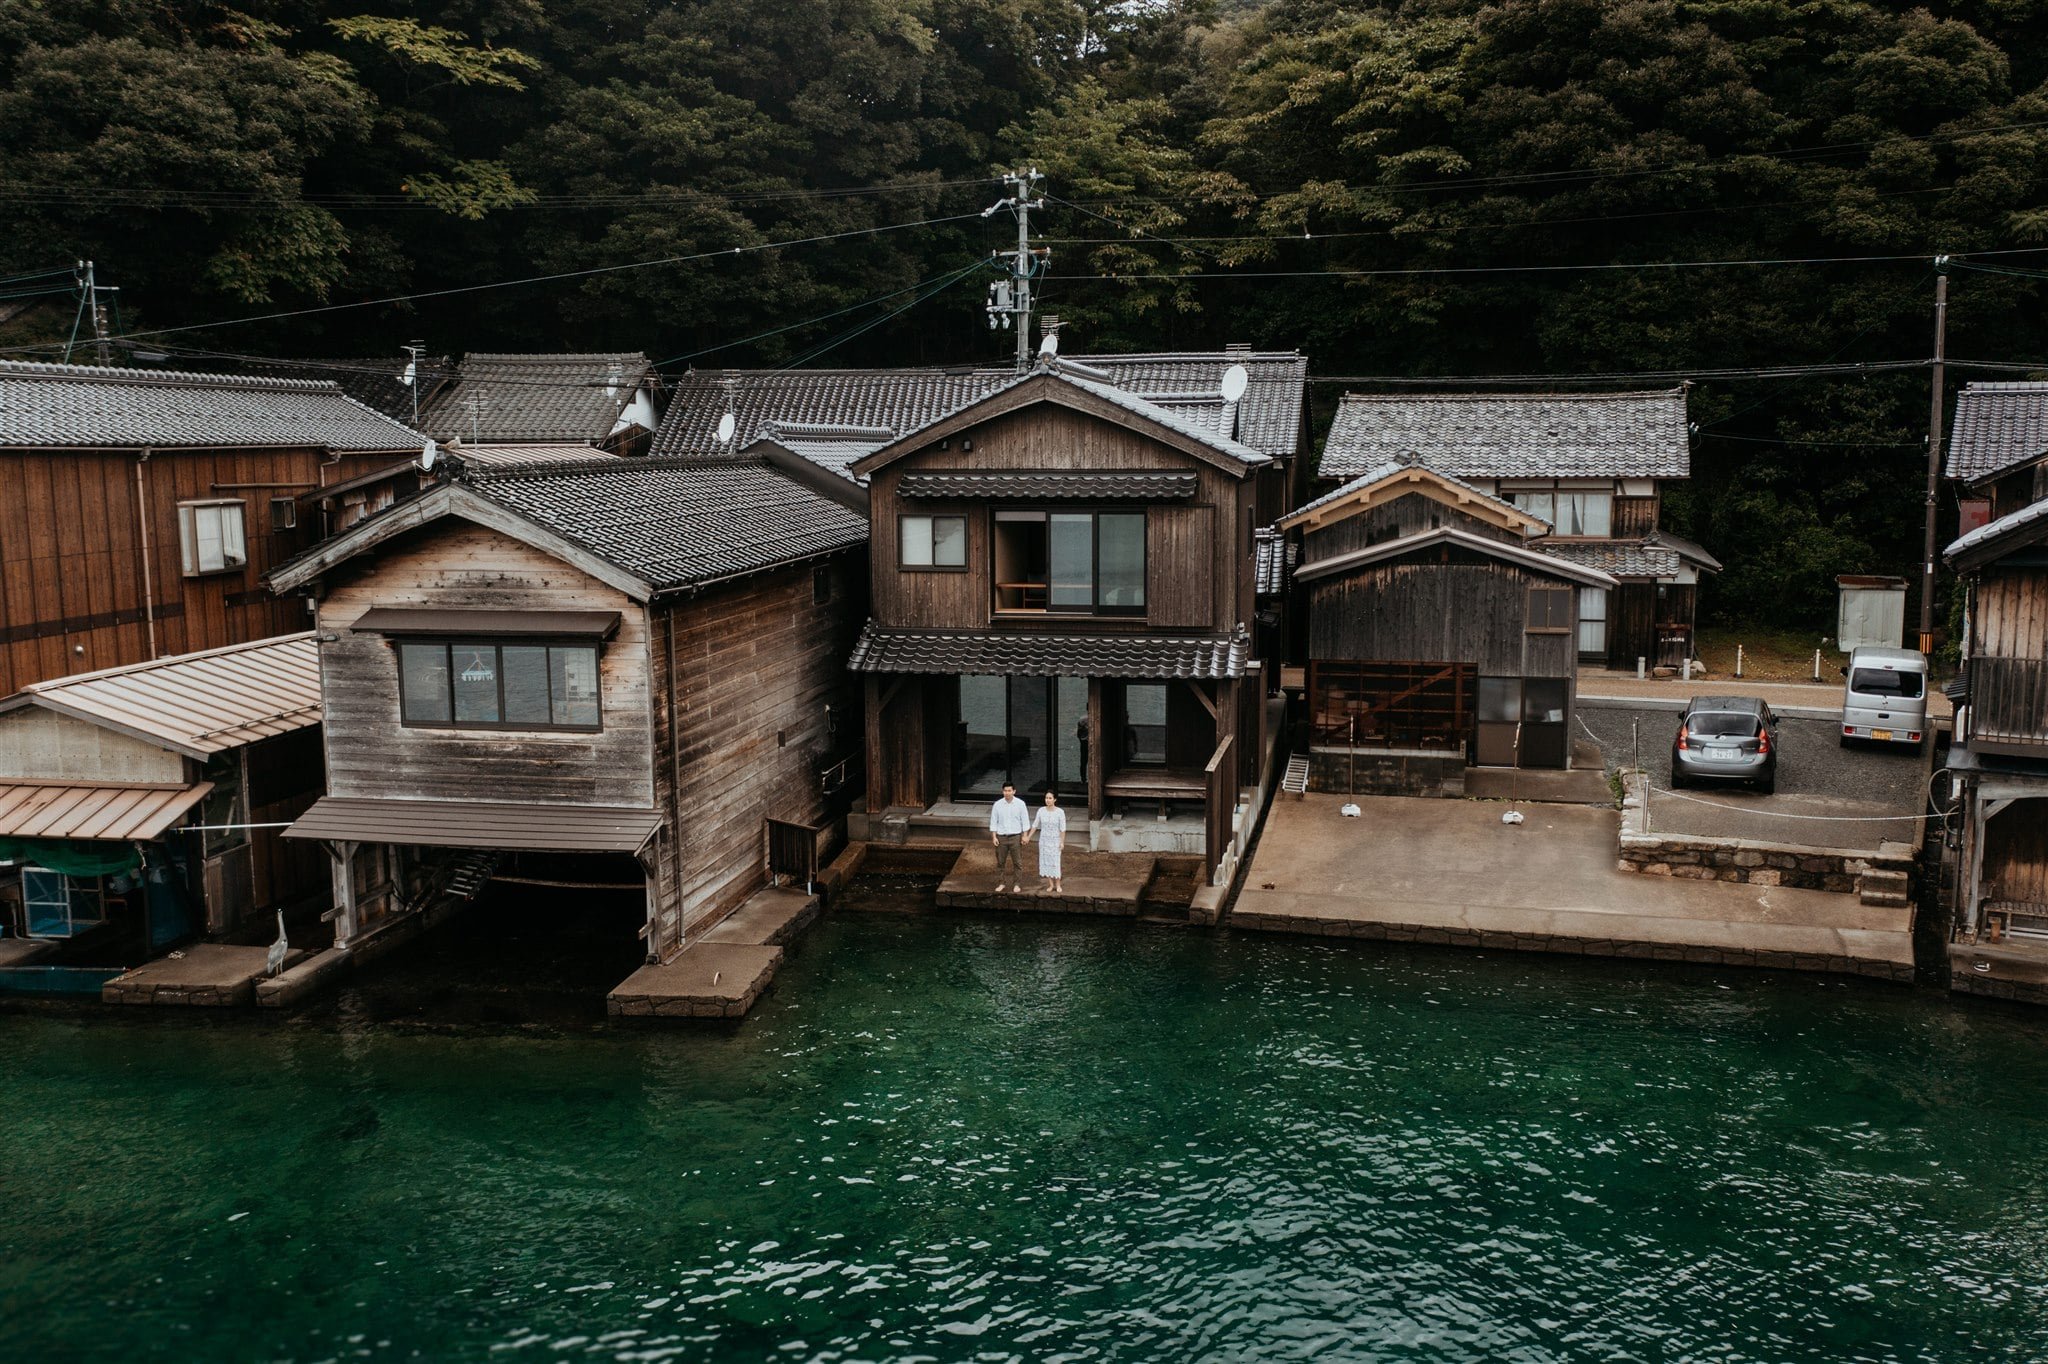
160	378
1472	395
603	463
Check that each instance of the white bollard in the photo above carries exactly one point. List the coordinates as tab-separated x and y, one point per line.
1816	665
1685	668
1642	668
1738	660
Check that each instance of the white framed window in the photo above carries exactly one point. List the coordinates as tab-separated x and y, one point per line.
284	513
212	537
1592	620
931	541
1588	514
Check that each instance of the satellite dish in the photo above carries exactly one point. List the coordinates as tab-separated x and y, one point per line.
430	454
726	426
1050	346
1236	380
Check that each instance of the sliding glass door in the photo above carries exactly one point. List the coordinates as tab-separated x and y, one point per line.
1029	731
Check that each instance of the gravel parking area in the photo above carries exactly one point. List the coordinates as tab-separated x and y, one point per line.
1850	798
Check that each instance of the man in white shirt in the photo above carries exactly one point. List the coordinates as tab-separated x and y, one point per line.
1008	818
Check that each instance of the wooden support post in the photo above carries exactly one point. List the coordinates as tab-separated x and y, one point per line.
878	793
650	867
348	921
1095	762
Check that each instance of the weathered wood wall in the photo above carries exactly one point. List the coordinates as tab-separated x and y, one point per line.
748	678
455	564
2016	853
71	557
1410	514
1441	606
1634	517
40	744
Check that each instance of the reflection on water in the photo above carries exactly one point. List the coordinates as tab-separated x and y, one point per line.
956	1138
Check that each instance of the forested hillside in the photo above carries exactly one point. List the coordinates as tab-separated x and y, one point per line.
1399	190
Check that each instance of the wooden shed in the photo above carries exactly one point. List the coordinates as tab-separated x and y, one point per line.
1437	637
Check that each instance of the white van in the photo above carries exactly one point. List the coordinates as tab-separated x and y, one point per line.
1885	696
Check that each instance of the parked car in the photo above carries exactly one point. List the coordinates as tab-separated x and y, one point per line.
1884	697
1726	738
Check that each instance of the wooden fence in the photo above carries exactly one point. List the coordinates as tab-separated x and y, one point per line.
792	851
2009	703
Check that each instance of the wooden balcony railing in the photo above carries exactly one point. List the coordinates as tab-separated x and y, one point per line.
2009	703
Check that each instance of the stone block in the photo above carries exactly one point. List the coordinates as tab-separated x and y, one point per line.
1766	876
1748	857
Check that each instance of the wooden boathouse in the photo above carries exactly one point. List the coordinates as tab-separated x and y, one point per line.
1438	637
634	665
2000	760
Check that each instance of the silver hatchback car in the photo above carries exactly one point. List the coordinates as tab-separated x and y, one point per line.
1726	738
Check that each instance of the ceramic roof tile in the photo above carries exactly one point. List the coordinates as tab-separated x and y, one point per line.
1274	558
2014	526
91	406
1145	485
374	380
1997	426
542	397
1618	558
1514	435
882	650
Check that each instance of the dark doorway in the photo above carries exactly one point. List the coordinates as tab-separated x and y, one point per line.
1028	731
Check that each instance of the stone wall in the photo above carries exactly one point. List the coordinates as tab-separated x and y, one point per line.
1840	870
1387	771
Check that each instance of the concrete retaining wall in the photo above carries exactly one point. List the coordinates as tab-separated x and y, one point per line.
1840	870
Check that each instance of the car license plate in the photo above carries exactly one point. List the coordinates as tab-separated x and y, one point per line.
1724	753
1880	734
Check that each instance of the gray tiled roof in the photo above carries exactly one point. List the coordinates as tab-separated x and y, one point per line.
523	398
2028	523
829	447
522	456
1145	485
376	380
1997	426
1187	386
1620	558
1514	435
90	405
1275	557
673	523
1045	655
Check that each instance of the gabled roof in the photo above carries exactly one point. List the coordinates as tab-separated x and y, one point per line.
1398	478
374	380
196	704
1620	558
1268	418
646	526
1514	435
2027	526
1452	537
92	406
1058	382
831	448
1997	427
522	399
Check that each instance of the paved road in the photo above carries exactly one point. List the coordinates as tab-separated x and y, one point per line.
1826	696
1816	777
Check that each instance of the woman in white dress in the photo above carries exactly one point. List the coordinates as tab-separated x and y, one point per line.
1051	828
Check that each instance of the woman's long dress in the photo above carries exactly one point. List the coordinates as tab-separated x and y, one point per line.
1051	825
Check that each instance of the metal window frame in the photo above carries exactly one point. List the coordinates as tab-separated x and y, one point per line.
497	644
934	518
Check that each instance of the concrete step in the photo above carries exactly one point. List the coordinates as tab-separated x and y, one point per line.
1885	889
1886	899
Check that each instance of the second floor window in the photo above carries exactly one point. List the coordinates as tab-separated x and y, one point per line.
931	541
1582	513
211	538
1080	563
485	684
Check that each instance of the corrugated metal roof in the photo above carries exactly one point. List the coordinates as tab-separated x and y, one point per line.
478	824
1041	655
1997	427
110	811
90	406
1514	435
198	704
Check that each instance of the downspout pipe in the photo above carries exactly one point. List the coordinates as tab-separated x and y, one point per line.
142	516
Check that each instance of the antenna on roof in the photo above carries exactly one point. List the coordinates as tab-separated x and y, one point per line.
1050	346
411	377
1236	380
475	403
728	423
430	454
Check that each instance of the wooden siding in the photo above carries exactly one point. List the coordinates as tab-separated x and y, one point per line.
1179	535
2008	659
1047	436
41	744
1634	517
748	680
1450	607
71	556
460	565
2016	853
1409	514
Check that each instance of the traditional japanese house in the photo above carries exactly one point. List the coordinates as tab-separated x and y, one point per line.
635	664
1063	580
610	400
145	506
1438	636
150	795
1595	466
1998	450
1999	763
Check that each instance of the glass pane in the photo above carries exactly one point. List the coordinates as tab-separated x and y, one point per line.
88	904
916	536
1030	734
1122	538
1592	603
1722	725
1596	513
526	684
1881	682
234	548
949	541
1145	724
1073	561
980	748
573	681
1540	505
1543	700
1070	734
206	520
423	683
476	683
1500	699
45	903
1592	636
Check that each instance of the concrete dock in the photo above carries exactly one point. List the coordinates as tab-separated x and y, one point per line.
204	975
1094	883
1444	871
724	971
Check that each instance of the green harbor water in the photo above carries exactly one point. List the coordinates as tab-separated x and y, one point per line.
969	1138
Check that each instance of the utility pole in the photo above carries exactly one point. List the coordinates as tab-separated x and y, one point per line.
1934	454
89	305
1009	301
411	377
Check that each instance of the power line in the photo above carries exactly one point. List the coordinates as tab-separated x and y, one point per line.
807	322
1857	367
129	195
943	283
1589	267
